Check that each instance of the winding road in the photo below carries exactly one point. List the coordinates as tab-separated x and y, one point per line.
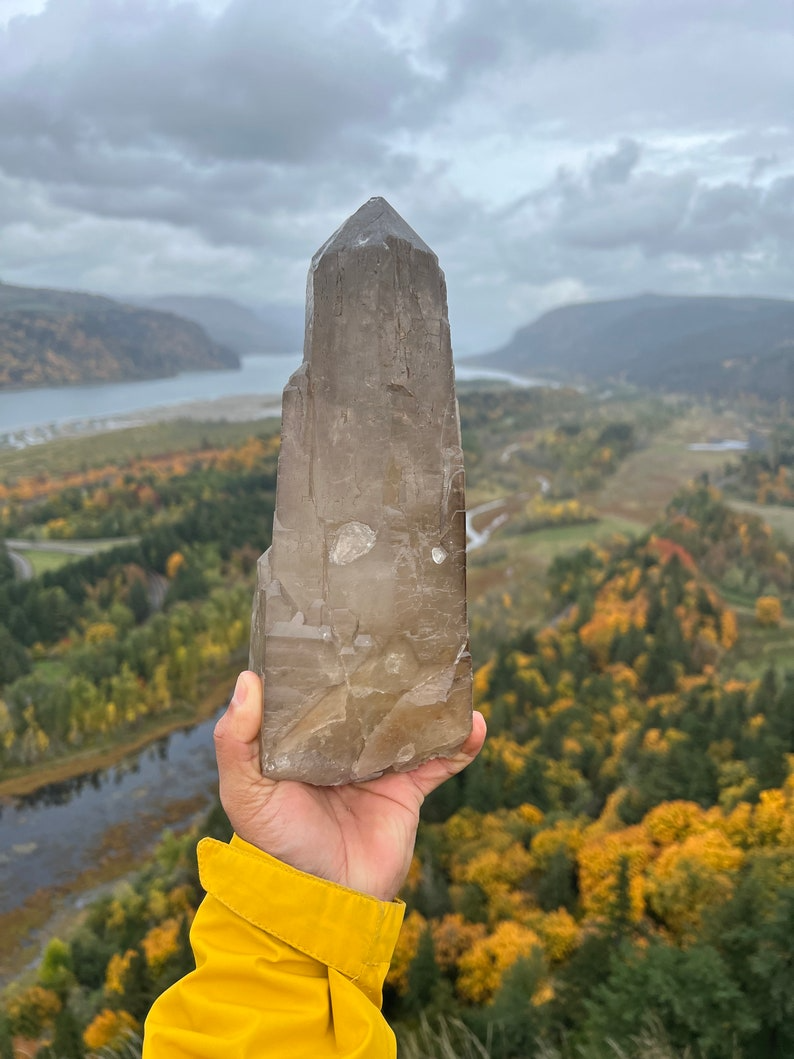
21	564
18	546
476	538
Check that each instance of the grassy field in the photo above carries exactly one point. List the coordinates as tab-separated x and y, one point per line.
43	558
759	648
630	501
648	479
779	518
546	544
43	562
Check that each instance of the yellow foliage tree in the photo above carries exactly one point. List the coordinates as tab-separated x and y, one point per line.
173	563
768	611
483	967
452	937
33	1009
117	968
674	821
773	819
600	860
161	942
559	932
729	629
405	950
690	876
107	1027
99	631
565	833
7	735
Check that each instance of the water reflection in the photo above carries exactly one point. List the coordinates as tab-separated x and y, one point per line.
48	837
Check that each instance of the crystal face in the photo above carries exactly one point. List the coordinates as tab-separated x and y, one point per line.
359	620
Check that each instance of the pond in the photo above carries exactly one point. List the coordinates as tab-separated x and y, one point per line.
48	838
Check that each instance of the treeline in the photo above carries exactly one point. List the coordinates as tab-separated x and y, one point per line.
767	475
118	501
510	436
97	645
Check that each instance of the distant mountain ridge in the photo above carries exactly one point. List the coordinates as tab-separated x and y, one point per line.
721	346
270	329
55	337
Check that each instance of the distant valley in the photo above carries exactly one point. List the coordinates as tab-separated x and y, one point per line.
706	346
269	329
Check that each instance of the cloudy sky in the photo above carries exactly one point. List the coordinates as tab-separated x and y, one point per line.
548	150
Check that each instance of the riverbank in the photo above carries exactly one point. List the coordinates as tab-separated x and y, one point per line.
84	762
241	408
58	910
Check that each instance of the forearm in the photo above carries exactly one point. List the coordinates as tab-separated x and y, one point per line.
287	965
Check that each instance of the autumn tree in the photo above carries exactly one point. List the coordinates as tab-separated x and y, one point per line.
768	611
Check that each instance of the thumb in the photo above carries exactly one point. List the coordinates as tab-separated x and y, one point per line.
433	773
237	732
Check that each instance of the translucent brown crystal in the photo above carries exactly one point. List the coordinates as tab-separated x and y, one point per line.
359	621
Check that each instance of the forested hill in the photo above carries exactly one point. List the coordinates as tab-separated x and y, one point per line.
51	338
699	345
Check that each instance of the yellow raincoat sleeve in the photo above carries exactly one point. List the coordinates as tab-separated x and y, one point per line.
287	965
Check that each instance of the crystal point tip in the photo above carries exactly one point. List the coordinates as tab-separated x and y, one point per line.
373	224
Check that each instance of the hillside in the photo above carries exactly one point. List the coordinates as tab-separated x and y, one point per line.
52	338
612	877
272	329
699	345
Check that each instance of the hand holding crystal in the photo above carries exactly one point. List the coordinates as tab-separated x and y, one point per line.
360	835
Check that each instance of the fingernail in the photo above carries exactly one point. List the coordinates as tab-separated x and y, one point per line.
240	690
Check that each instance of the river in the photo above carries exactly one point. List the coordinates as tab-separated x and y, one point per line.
23	413
26	410
48	838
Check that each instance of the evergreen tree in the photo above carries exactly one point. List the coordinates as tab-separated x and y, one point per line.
620	913
517	1020
14	659
432	893
138	601
578	977
6	1042
67	1041
689	992
138	991
557	888
423	974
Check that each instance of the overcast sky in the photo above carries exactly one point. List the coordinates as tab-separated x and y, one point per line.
548	150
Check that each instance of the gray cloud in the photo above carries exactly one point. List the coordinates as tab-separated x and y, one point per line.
481	36
250	84
546	149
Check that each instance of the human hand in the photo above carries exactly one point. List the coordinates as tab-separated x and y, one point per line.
360	835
